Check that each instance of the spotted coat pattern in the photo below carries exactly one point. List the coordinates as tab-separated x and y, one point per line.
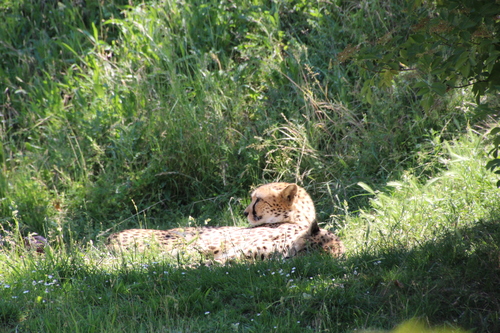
223	243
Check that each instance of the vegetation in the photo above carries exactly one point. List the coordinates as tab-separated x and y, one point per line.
452	45
165	113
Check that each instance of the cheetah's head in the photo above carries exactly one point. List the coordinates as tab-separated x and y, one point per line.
279	203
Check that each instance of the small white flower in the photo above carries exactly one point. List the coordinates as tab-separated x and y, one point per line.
26	291
208	312
6	286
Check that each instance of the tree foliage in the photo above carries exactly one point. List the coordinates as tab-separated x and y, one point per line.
451	44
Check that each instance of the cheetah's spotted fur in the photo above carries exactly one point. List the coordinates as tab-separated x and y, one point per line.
223	243
271	203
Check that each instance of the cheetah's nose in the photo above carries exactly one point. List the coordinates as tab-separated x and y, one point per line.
245	213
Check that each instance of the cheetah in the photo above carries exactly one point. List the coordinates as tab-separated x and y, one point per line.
280	203
282	219
228	243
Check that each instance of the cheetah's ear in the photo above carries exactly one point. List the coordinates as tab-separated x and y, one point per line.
289	193
313	228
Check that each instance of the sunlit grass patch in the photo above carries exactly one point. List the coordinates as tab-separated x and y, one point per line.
412	211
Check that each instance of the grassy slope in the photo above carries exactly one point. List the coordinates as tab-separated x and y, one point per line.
176	110
437	263
163	111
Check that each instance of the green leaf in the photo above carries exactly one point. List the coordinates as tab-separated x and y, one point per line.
493	164
439	88
420	84
387	78
417	38
462	58
479	89
366	92
438	71
427	101
492	58
423	91
494	77
465	69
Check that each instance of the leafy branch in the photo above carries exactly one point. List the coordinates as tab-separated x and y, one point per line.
454	44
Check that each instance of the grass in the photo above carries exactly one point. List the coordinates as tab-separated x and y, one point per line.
159	114
410	210
149	107
403	261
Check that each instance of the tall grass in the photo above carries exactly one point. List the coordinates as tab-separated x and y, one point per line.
175	108
411	211
159	114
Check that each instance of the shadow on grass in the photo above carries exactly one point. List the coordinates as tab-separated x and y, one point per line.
452	280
